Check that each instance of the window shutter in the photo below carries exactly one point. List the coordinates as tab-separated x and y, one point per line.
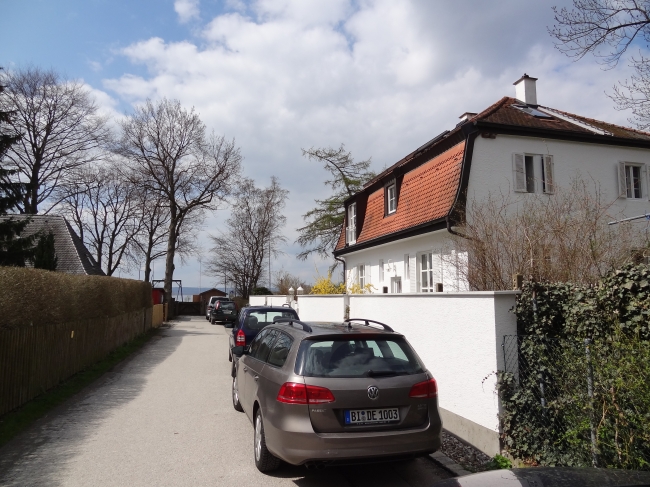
518	173
549	175
413	269
622	188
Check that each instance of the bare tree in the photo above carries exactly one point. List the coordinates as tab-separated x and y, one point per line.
284	280
168	147
608	29
323	223
61	129
565	238
256	219
103	206
151	241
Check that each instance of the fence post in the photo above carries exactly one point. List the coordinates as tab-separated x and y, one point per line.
590	393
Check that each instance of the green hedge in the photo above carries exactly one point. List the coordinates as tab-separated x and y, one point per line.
548	415
39	297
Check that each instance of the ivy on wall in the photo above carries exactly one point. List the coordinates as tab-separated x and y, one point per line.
558	389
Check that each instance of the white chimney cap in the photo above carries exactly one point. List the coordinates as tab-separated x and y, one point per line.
467	115
525	90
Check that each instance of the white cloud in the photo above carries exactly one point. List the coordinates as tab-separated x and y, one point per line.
381	76
187	10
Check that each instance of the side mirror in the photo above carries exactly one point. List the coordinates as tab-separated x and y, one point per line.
238	351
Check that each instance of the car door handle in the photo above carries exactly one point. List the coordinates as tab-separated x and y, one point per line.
256	377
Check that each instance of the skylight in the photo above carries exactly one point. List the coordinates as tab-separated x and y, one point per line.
531	111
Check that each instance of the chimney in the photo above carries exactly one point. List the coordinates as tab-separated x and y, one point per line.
466	116
525	90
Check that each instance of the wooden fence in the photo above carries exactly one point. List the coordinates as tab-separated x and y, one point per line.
35	358
158	315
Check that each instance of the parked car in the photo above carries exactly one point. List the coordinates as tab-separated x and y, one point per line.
327	393
213	299
252	319
223	312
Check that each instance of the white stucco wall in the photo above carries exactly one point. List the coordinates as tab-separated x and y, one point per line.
275	300
393	255
322	307
459	337
492	167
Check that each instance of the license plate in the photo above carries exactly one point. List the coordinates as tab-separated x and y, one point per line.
371	416
227	312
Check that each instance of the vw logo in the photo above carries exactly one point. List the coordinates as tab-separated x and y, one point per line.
373	392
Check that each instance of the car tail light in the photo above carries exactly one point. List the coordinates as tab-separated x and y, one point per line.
240	340
428	388
294	393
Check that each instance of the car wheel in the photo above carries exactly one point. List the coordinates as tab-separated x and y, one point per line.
264	460
235	396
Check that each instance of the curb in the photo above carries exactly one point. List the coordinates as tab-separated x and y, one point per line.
448	464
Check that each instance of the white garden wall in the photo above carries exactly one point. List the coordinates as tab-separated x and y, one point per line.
322	307
457	335
276	300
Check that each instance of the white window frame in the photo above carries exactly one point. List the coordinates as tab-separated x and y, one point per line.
381	271
351	230
391	196
361	276
523	164
625	169
425	271
407	269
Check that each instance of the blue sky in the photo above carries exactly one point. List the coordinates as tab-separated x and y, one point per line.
381	76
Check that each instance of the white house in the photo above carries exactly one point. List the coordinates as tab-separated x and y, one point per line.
396	231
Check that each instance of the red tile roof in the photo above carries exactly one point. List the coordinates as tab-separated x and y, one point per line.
429	190
427	194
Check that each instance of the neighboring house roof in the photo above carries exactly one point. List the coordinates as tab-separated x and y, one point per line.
434	177
73	257
212	292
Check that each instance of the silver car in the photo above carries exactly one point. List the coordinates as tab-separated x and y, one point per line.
326	393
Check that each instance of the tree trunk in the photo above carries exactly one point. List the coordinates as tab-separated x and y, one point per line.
169	259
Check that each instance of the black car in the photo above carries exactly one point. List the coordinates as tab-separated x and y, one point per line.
223	312
252	319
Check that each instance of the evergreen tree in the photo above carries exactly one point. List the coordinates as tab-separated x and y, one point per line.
14	250
44	254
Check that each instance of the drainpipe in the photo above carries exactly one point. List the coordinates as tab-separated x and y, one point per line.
342	261
454	232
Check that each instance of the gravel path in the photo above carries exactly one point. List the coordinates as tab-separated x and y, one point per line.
463	454
165	417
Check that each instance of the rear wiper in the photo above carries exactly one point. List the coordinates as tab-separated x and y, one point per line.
380	373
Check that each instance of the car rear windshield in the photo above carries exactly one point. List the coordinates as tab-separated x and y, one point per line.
361	357
256	320
225	305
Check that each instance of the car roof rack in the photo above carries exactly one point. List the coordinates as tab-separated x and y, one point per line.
291	321
367	323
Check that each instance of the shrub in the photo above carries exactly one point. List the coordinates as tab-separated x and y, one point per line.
549	415
39	297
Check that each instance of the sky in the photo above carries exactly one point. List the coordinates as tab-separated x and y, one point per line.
383	77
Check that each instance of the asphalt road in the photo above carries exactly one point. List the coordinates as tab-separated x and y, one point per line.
165	417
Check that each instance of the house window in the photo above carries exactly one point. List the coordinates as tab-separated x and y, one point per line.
631	180
351	230
407	270
533	173
391	199
362	276
426	273
381	271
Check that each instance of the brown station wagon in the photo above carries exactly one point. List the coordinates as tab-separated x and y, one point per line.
326	393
